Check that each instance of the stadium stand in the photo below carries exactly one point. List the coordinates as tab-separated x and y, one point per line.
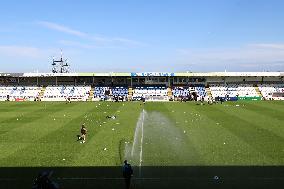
272	91
154	86
19	93
60	93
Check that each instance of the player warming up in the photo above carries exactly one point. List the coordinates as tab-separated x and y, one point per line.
83	134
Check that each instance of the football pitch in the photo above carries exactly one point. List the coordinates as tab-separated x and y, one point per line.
170	134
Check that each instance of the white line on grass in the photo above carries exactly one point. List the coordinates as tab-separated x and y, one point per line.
141	149
142	133
137	130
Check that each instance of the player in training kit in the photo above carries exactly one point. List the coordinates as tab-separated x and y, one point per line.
83	134
68	100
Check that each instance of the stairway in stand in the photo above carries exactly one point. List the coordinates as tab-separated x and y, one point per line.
258	91
41	93
208	91
170	93
130	93
91	95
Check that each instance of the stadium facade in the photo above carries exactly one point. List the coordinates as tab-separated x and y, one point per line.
152	86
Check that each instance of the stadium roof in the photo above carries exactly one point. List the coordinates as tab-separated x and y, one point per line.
158	74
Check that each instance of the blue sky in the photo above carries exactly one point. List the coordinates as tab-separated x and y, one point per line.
143	35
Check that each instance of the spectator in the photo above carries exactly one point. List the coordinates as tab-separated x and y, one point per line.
127	174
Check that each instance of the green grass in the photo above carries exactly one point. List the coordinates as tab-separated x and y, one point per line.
174	133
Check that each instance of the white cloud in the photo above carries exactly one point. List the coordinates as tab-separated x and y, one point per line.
278	46
62	28
128	41
251	55
30	52
20	51
30	58
100	41
77	44
251	52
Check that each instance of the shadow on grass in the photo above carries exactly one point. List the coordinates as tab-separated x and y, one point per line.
149	177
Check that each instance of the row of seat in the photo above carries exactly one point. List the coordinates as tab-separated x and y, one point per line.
102	92
233	90
67	92
119	91
186	91
272	91
150	91
19	92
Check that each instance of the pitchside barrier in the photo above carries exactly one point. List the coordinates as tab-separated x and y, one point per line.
152	177
257	98
226	99
239	98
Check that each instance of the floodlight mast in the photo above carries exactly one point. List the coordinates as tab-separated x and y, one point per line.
61	65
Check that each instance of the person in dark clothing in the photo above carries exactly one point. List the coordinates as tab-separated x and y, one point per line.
221	100
83	134
143	99
127	173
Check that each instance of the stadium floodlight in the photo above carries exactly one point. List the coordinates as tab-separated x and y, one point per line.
61	65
